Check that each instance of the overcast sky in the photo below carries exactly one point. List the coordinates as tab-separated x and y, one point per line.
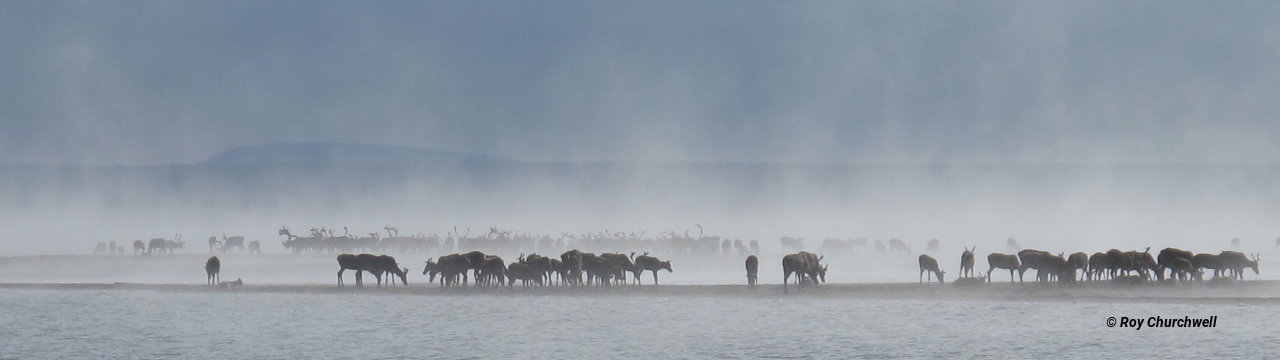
134	82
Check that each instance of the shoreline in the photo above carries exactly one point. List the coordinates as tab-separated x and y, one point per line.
1260	292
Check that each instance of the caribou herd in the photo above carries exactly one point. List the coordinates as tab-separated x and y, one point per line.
571	268
1128	266
579	266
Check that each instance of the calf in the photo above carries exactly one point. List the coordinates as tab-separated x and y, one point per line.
1167	258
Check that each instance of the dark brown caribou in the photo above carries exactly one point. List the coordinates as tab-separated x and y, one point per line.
449	267
1144	263
1035	259
492	271
966	262
620	264
524	272
1003	261
930	265
557	267
806	266
476	260
540	265
1099	265
374	264
598	268
1079	261
753	267
1183	270
572	266
211	269
653	264
388	265
1166	259
1120	264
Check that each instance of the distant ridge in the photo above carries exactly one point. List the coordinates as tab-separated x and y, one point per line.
338	153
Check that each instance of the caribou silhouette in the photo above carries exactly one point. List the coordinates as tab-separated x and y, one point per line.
1235	262
753	267
449	267
374	264
234	242
211	269
807	267
1004	261
653	264
930	265
966	262
1079	261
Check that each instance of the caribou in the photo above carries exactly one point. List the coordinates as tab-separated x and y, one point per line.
1079	261
1004	261
211	269
572	266
966	262
753	267
1099	265
896	245
805	265
524	272
653	264
234	242
1236	261
374	264
449	267
1166	260
930	265
1208	261
791	243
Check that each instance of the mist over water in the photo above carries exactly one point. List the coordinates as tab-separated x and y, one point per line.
1081	126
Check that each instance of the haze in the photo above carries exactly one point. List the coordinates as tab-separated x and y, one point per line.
1071	126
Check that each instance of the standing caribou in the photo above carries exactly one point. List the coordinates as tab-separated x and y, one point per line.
966	262
1004	261
211	269
653	264
807	267
753	267
374	264
234	242
930	265
1236	261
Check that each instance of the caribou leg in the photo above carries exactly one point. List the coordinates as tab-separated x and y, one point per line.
340	276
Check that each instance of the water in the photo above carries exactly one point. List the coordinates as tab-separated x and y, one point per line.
62	323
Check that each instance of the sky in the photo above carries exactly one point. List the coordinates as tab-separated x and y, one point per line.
162	82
